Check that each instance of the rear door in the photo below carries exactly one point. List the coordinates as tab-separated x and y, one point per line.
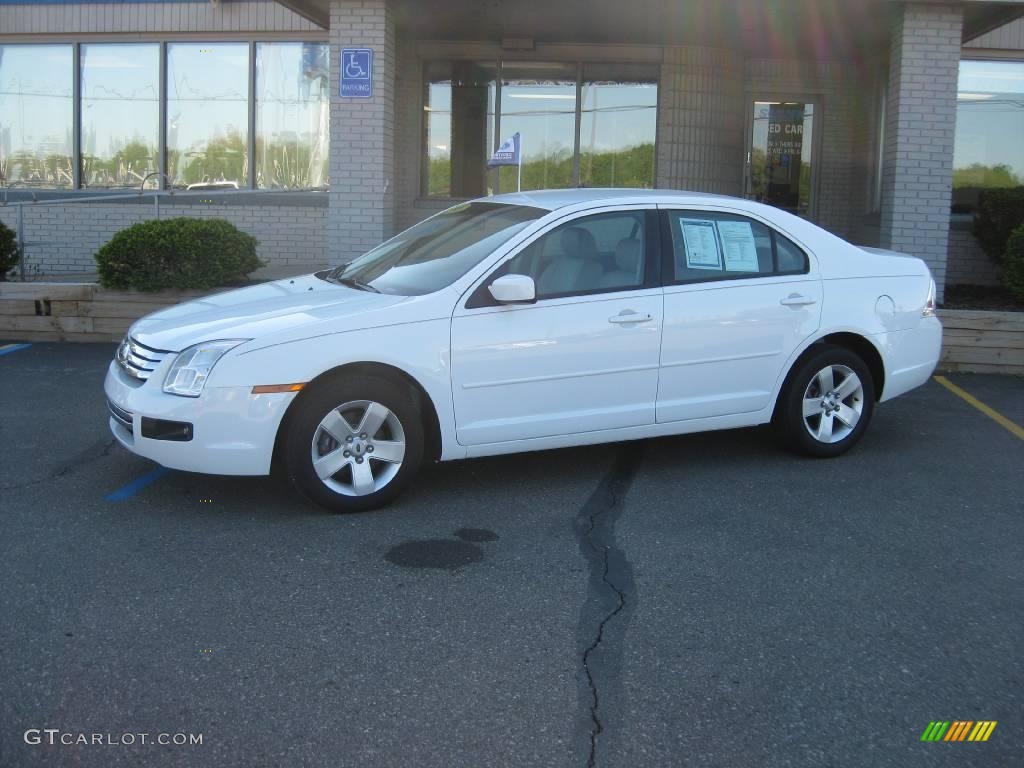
740	297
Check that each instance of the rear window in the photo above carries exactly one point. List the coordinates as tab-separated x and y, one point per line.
722	246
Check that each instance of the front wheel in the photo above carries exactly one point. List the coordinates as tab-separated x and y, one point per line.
354	443
827	403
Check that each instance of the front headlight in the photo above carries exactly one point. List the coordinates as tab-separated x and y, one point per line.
192	367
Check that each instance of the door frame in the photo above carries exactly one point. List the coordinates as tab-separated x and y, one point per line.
818	102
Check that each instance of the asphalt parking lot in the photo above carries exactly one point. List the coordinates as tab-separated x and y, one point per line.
704	600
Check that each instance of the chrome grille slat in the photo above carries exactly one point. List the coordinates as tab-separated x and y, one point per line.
138	360
121	416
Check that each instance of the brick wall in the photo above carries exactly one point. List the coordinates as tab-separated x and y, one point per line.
362	196
921	120
70	234
701	120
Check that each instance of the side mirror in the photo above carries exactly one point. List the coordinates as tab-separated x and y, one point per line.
514	289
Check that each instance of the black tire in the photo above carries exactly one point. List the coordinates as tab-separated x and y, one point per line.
789	421
304	422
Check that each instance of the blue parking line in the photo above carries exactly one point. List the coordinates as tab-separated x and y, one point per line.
138	484
6	349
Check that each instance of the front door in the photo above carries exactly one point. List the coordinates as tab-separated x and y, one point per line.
584	357
781	155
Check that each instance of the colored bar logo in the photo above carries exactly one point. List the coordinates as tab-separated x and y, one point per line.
958	730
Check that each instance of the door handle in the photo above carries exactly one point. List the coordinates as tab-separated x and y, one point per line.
797	300
627	316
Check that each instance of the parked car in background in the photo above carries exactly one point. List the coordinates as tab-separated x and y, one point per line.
525	322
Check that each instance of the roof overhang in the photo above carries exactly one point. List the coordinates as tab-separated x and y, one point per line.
657	21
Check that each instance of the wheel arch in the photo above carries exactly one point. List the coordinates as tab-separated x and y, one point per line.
857	343
428	410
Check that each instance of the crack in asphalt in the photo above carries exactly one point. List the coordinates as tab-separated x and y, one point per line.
94	452
610	577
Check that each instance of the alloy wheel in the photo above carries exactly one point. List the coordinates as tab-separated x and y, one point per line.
833	403
358	448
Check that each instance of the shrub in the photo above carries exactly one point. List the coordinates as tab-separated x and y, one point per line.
177	253
8	250
999	212
1013	263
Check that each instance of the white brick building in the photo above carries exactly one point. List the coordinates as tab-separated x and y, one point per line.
879	120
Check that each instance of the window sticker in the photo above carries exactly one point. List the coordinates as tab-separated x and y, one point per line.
701	244
738	246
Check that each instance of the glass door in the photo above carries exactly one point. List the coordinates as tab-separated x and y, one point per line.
781	155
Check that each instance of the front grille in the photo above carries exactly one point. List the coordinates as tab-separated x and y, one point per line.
138	360
121	416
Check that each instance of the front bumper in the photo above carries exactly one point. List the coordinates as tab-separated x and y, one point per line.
233	430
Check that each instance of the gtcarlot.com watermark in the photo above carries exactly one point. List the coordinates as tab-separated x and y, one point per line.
55	736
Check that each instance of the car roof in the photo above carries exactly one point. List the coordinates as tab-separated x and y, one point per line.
553	199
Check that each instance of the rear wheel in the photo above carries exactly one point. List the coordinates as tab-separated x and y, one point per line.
827	403
354	442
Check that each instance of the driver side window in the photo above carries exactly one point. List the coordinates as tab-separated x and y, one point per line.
594	254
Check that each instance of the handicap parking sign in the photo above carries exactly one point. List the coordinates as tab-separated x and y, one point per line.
357	73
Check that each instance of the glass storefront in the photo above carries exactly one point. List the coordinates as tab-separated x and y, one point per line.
538	101
989	148
36	115
589	125
618	115
207	113
120	114
458	119
292	114
780	155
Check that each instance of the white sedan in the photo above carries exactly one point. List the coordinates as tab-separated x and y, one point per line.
526	322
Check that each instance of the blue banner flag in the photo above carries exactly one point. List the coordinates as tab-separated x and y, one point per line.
507	154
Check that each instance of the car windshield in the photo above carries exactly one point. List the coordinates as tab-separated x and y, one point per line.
436	252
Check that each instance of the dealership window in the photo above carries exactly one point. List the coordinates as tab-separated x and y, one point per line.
292	114
36	115
120	114
590	125
458	117
989	125
618	114
211	102
538	101
207	113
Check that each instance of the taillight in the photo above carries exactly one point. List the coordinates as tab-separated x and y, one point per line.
929	304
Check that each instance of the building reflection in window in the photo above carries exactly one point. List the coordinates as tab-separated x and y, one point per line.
618	118
207	114
120	114
292	114
36	115
989	149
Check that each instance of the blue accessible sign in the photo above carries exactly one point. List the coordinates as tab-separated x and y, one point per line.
356	73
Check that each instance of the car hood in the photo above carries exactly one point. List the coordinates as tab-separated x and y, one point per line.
256	312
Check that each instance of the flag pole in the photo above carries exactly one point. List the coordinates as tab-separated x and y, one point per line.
519	177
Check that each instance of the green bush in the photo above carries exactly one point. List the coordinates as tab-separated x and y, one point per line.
8	250
1013	263
999	212
177	253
